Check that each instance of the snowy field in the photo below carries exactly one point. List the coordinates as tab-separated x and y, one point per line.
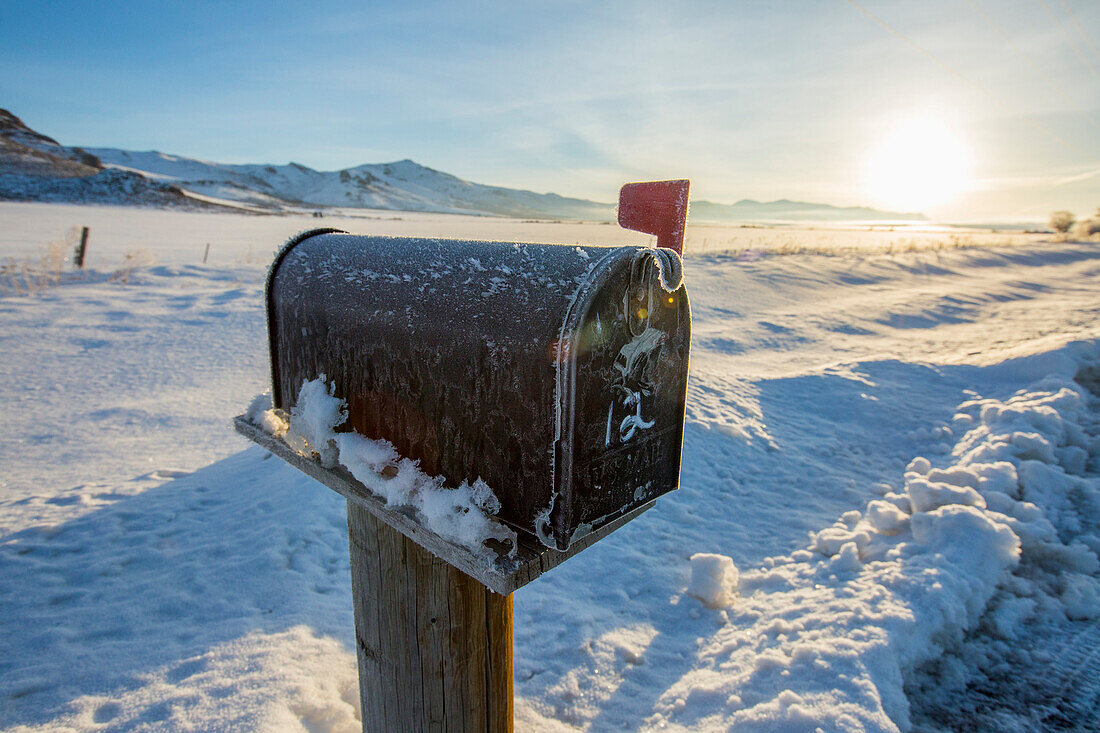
180	238
894	438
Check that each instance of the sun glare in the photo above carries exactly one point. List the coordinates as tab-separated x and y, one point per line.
917	164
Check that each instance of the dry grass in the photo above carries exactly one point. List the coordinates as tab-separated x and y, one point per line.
1087	230
248	258
771	243
30	275
52	266
140	257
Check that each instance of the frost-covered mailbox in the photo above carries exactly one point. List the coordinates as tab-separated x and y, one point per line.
554	376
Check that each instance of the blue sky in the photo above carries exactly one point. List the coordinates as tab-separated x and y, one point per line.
749	99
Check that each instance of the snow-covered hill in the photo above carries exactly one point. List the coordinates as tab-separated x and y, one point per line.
34	167
15	134
403	185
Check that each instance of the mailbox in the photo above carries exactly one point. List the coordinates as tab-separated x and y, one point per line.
557	374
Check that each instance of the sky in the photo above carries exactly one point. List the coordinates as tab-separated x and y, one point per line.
967	110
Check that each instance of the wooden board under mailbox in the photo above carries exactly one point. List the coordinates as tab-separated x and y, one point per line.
504	576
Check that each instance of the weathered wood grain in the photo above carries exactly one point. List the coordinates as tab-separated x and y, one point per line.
375	672
498	622
434	645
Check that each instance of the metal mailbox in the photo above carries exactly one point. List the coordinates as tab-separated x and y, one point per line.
557	374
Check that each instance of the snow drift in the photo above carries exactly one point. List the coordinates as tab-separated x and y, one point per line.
826	637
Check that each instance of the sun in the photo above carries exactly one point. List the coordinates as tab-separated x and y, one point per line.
918	163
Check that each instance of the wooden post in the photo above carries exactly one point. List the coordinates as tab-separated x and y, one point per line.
81	248
434	645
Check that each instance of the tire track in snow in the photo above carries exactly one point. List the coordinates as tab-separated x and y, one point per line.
1076	671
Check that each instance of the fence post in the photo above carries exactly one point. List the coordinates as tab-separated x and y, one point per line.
434	645
81	248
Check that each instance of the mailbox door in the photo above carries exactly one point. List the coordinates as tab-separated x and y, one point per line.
625	394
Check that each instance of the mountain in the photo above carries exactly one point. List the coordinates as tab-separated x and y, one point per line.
34	167
403	185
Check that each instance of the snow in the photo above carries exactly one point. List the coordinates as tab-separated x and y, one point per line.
890	471
714	579
107	186
313	419
180	237
261	413
461	514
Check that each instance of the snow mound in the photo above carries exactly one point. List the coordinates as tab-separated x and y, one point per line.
713	579
261	414
462	515
828	637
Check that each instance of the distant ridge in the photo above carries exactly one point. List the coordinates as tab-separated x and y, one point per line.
402	185
785	210
34	167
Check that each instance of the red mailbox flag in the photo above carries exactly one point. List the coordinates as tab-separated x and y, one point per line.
656	207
